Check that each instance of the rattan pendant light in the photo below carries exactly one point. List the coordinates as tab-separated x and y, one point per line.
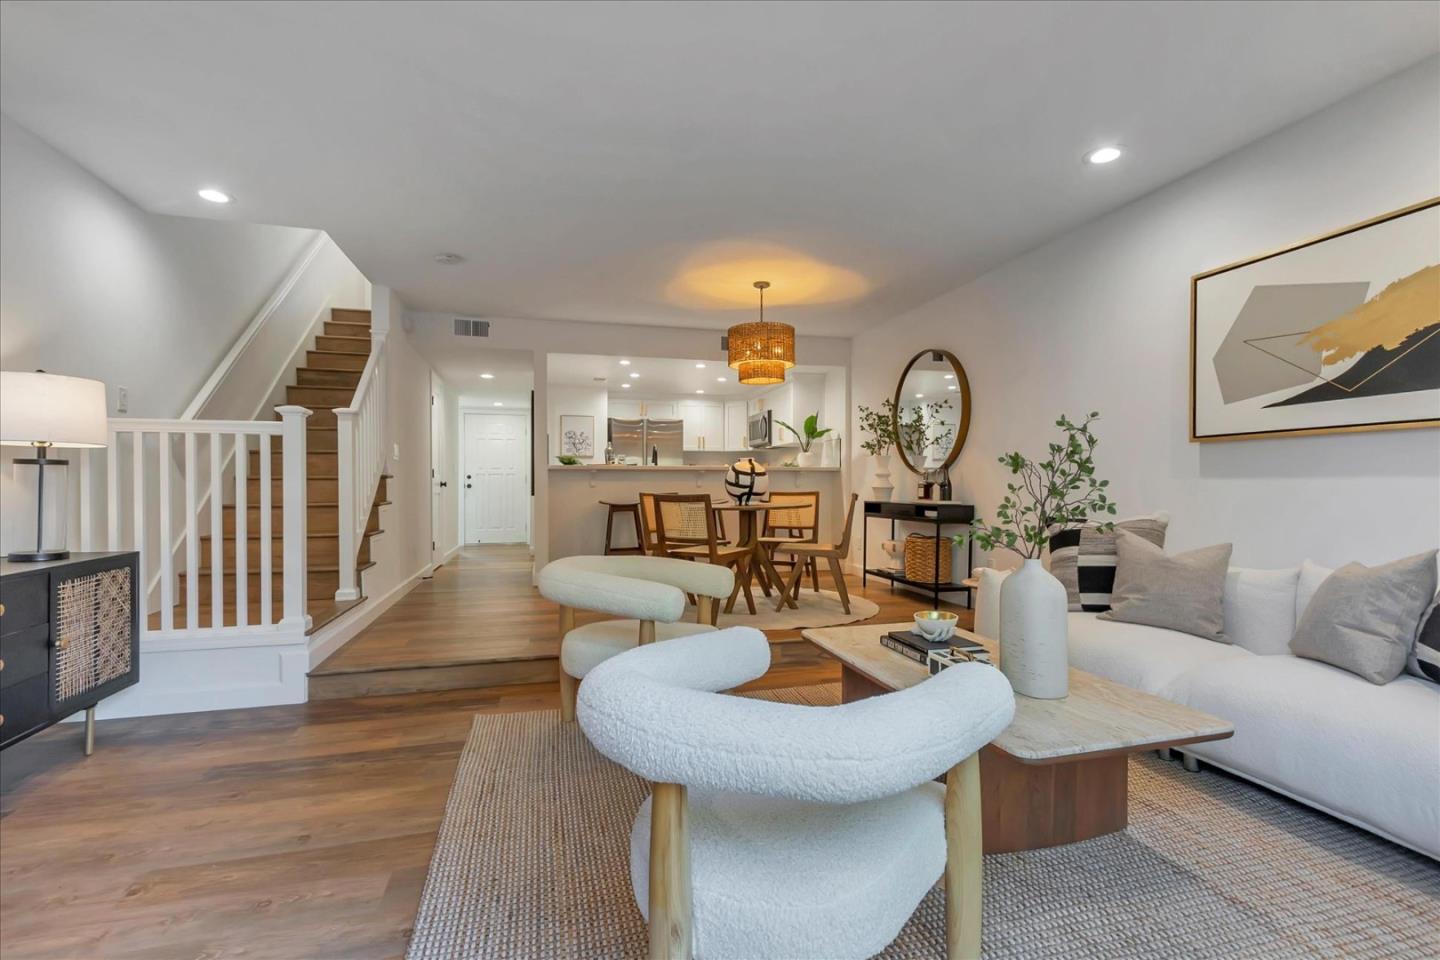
764	350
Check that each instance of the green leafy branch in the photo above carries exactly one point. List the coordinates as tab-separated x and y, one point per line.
880	425
1054	494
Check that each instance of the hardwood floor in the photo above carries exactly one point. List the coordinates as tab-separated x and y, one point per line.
300	832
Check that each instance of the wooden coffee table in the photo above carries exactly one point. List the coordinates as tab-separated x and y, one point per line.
1058	773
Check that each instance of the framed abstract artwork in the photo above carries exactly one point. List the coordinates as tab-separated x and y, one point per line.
1337	333
577	435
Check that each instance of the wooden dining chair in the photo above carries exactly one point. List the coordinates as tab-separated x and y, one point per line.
793	517
686	529
831	552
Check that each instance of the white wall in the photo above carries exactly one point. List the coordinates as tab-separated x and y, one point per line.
1098	319
578	401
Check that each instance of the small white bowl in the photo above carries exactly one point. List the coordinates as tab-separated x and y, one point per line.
936	625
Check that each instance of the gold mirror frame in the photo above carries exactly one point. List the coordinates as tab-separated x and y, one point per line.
960	432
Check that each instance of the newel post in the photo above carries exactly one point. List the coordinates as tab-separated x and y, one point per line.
293	502
345	422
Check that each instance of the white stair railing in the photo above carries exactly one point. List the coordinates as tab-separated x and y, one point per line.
361	461
148	460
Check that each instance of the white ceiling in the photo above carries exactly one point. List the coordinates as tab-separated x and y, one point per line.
600	161
462	363
655	377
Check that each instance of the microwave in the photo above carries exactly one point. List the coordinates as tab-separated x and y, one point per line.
758	430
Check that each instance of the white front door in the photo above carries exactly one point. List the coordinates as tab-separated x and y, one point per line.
497	478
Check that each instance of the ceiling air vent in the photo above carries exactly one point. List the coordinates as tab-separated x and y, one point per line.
471	328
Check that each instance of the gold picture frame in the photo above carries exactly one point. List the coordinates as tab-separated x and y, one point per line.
1315	379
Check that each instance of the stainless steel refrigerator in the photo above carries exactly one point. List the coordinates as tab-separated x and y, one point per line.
632	441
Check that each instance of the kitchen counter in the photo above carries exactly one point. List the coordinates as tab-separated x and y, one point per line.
577	516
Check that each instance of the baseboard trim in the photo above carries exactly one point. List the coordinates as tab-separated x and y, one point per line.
333	636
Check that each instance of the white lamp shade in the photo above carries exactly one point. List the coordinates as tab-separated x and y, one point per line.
47	408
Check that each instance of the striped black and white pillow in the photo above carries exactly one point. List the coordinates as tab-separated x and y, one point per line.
1425	658
1083	559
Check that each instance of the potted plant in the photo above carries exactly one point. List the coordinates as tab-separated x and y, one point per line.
879	427
1045	497
807	458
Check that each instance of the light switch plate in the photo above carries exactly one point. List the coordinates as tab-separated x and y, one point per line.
122	400
396	455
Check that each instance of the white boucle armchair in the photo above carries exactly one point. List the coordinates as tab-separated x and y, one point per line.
779	830
649	591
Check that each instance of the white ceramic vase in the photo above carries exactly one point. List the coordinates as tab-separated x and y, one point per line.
809	458
1033	652
880	476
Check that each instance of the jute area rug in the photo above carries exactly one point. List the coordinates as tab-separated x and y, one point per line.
532	861
822	609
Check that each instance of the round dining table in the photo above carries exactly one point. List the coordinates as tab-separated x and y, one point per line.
761	567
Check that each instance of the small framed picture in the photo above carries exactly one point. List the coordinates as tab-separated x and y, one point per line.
577	435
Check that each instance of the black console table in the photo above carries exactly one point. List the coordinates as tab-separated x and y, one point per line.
935	512
69	638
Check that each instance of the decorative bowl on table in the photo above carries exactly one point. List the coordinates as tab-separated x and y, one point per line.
936	625
747	481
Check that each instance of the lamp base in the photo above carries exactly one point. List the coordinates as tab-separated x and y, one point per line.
34	556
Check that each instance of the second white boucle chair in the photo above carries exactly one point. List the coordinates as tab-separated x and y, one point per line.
778	830
650	591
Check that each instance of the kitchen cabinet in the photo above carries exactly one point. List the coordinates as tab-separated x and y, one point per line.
625	409
704	424
737	425
660	409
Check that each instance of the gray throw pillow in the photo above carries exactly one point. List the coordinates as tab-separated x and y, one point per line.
1182	592
1364	619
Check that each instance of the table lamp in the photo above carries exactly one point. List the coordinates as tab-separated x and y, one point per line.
43	410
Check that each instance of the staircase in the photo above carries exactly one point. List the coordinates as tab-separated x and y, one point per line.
327	381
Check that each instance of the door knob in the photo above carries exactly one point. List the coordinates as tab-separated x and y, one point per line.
444	484
467	486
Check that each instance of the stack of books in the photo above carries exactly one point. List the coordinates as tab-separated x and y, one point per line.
910	644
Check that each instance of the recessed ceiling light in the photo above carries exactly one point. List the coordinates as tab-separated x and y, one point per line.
1101	155
952	387
624	363
625	386
699	391
699	366
497	403
919	396
634	376
719	379
949	376
214	196
449	259
487	376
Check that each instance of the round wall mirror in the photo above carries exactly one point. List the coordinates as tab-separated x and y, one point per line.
932	411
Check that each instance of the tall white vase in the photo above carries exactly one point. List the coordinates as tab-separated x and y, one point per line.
1033	650
880	476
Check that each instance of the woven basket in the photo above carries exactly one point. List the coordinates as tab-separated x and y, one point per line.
920	559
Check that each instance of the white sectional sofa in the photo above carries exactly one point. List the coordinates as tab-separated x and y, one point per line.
1367	754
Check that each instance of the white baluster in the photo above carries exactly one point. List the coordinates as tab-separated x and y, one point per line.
217	538
242	539
137	515
267	573
345	458
112	491
293	512
167	561
87	508
192	539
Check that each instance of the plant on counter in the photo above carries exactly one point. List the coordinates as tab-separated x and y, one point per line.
1052	495
811	434
880	425
567	460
